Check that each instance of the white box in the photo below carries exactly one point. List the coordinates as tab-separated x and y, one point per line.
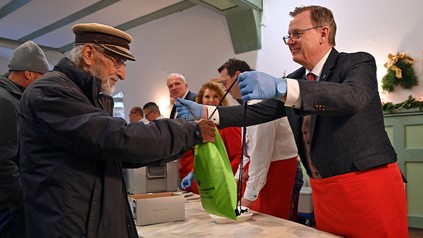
305	203
157	208
153	179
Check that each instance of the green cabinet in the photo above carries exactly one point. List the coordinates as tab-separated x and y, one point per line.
405	130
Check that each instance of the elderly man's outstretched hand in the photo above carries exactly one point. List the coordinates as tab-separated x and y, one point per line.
208	130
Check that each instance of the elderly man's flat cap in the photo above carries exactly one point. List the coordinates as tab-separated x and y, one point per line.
108	37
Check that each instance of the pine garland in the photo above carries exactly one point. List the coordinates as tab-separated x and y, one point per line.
407	104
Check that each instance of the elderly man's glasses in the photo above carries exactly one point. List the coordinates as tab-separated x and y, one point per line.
117	61
295	36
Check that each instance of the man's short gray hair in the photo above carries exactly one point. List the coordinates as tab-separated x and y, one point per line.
172	75
76	55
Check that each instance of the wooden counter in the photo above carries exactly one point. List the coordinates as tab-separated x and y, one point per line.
199	224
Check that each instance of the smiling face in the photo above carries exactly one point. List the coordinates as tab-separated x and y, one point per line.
210	97
308	43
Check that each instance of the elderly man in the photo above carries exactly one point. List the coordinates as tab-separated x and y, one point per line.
178	88
333	105
73	149
27	64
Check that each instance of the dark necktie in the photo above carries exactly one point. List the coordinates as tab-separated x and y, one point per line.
306	129
173	112
311	77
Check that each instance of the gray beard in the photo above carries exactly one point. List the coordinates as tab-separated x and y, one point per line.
107	89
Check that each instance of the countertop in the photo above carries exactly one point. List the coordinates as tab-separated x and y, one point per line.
199	224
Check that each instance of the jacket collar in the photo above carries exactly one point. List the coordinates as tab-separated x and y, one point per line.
329	65
326	71
10	86
91	86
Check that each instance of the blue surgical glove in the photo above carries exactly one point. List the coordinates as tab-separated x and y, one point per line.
259	85
187	181
188	110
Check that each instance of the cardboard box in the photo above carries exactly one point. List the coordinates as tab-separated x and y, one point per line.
305	203
157	208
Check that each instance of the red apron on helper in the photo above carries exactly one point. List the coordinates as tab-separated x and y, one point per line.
366	204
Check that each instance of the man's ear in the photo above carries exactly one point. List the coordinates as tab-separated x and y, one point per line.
324	35
27	74
88	54
30	77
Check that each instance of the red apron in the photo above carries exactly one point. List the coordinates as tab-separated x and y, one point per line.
368	203
276	196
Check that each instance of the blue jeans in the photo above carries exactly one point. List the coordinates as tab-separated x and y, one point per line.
12	224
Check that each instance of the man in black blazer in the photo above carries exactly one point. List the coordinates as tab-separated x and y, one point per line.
178	88
337	121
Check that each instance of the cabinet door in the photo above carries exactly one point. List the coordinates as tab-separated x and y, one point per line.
405	130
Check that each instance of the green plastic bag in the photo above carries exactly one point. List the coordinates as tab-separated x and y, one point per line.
215	179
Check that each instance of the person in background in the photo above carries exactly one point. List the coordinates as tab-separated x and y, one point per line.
152	111
73	149
334	108
272	158
136	114
178	88
212	94
26	65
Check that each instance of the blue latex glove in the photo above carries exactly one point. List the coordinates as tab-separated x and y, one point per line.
259	85
187	181
188	110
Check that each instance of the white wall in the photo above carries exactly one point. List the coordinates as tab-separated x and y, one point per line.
379	27
195	42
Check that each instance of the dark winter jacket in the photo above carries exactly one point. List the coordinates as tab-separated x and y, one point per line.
72	152
10	187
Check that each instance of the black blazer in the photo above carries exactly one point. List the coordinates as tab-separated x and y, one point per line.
347	127
190	96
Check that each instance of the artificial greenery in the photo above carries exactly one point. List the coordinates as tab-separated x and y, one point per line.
400	71
407	104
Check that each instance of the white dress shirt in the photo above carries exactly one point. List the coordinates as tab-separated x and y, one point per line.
265	143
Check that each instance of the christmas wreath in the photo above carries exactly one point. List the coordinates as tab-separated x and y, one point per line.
399	72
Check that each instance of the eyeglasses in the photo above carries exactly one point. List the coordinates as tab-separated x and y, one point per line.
147	114
295	36
117	61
